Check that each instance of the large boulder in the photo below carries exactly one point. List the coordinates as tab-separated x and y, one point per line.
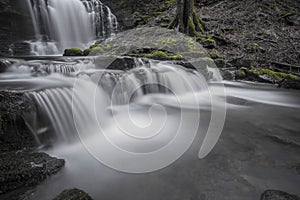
154	38
23	169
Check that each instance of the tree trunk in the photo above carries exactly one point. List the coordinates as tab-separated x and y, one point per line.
186	20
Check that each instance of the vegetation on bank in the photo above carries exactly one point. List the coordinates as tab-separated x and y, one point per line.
267	76
161	55
279	76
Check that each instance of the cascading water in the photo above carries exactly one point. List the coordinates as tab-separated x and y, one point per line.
139	110
66	92
70	23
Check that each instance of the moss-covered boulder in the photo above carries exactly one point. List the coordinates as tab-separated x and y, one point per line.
73	52
73	194
157	39
93	50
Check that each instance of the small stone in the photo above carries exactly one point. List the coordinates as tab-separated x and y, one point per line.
73	194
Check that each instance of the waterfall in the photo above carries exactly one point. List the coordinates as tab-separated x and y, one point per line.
64	24
156	78
69	109
83	100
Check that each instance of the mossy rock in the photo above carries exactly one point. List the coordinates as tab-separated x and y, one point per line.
73	52
276	76
154	38
207	42
93	50
161	55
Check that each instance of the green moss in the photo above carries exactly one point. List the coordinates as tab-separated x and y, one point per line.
278	11
192	29
161	55
199	22
192	45
169	3
275	75
164	25
208	39
214	54
157	55
73	52
177	57
242	73
95	49
207	59
167	42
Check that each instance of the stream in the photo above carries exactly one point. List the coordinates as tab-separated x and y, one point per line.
143	110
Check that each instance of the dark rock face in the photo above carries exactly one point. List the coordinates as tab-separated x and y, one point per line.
14	134
20	48
14	24
277	195
26	169
20	168
73	194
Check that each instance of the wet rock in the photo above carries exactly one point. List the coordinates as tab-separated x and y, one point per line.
220	63
290	83
20	168
115	63
73	52
73	194
24	169
277	195
227	75
249	75
20	48
241	62
122	63
3	66
14	134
